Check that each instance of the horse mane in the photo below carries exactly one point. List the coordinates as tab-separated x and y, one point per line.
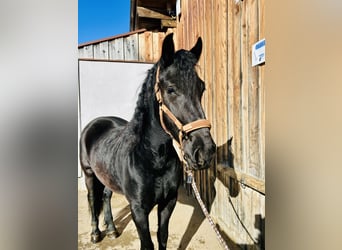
143	108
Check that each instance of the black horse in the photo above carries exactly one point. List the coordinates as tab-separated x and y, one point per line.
137	158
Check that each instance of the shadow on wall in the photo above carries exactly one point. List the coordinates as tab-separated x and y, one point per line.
259	243
226	156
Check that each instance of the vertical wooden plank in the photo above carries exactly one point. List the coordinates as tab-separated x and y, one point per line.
244	85
181	27
116	49
207	57
155	45
148	46
194	23
131	47
187	26
145	46
161	36
142	51
157	39
177	29
237	82
199	33
221	79
86	52
181	36
230	69
261	21
135	46
101	50
254	88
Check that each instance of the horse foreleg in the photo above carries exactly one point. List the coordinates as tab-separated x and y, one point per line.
111	231
140	218
164	213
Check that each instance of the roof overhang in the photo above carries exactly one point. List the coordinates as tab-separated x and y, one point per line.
152	14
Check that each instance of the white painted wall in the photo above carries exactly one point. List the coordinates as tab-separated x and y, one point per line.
109	89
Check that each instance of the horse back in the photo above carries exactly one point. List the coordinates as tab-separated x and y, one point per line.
93	132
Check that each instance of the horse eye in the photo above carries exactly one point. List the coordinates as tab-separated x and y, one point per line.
170	90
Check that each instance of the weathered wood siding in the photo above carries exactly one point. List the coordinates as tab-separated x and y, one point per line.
235	104
140	46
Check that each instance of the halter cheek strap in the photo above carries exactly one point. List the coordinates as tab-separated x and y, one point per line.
183	129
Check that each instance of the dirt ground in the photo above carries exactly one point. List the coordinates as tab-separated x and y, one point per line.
188	227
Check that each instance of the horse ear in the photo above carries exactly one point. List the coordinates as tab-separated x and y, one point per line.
197	49
168	51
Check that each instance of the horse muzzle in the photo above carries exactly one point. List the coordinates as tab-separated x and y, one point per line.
199	149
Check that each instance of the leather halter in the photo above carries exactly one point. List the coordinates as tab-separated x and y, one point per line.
184	130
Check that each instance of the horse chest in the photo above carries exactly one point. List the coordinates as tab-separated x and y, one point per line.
163	186
167	183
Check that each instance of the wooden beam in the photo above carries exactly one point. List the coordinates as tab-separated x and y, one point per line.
244	179
144	12
169	23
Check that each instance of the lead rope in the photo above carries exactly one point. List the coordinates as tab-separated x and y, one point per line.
205	211
191	180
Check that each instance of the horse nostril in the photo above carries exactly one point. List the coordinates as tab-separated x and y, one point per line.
198	156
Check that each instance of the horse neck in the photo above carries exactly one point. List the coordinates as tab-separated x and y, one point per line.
145	122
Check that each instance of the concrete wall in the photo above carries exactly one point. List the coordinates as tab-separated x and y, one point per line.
109	89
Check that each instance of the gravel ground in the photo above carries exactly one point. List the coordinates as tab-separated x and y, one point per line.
188	228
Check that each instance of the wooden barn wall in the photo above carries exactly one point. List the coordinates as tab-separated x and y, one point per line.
235	104
140	46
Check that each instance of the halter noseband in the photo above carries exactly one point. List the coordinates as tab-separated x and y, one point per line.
183	129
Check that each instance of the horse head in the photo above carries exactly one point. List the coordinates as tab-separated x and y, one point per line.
179	91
